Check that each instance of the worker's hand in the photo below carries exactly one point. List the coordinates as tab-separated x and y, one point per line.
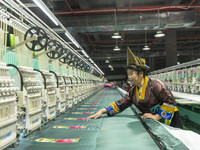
98	114
151	116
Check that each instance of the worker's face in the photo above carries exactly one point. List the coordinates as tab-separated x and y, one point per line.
134	77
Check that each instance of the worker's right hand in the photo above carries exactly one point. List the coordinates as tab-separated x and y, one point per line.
98	114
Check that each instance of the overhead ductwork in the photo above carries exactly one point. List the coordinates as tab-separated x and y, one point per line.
128	22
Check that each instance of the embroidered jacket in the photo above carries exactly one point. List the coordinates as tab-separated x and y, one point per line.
154	98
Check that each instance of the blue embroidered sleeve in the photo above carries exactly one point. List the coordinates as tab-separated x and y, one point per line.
110	110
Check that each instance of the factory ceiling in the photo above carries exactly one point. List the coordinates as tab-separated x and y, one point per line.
92	23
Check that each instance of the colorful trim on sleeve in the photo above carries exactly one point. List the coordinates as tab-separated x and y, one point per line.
114	106
112	109
166	111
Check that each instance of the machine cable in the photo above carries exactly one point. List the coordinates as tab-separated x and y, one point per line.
21	78
55	76
42	76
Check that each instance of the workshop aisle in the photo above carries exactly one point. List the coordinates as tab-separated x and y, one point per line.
72	132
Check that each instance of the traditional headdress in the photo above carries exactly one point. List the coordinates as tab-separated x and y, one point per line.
133	60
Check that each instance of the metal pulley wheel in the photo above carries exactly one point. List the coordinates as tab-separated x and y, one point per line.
88	68
80	64
36	39
85	67
71	63
64	59
76	60
67	57
55	49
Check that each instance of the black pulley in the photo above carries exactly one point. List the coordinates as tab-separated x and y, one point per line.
39	41
88	68
64	59
76	60
85	67
71	63
55	49
80	64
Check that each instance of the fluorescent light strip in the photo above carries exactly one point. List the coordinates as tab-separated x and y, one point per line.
44	8
91	60
72	39
99	69
85	53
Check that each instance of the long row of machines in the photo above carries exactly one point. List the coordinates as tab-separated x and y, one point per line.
41	97
181	78
41	75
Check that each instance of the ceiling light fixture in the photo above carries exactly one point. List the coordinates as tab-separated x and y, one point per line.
159	34
116	34
109	66
146	47
116	47
107	61
44	8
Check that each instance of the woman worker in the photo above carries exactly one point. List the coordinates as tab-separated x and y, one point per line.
150	96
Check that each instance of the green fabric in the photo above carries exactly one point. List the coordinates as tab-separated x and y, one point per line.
154	109
169	141
88	135
122	131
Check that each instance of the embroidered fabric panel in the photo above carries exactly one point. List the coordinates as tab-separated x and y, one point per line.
68	127
47	140
114	106
140	93
83	112
89	105
166	111
112	109
86	108
164	114
77	119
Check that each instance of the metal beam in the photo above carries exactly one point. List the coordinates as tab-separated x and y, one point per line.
145	9
30	5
